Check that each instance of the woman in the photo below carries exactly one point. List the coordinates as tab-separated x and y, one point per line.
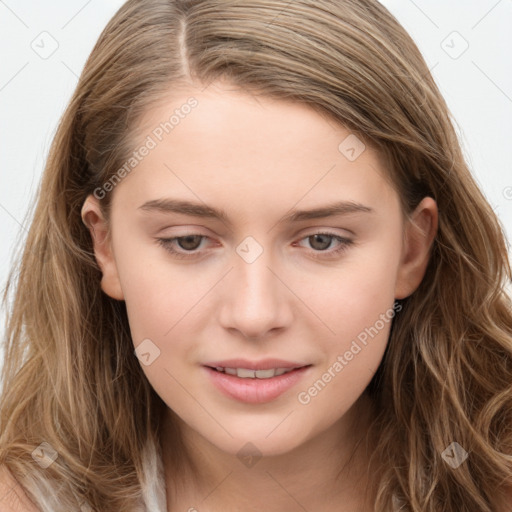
190	346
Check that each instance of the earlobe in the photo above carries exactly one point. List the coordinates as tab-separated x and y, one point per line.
419	235
92	217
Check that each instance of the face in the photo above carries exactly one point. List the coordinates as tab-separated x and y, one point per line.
253	268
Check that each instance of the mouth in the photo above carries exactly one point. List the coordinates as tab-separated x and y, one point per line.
255	386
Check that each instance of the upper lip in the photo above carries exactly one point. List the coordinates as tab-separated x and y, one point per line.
264	364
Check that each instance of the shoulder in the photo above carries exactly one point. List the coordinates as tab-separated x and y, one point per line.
12	496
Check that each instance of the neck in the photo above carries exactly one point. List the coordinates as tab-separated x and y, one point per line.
328	472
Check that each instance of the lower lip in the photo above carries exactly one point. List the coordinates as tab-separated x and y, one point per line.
255	391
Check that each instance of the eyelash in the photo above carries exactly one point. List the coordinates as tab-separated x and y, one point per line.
166	243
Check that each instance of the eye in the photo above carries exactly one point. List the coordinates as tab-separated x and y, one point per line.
321	241
189	244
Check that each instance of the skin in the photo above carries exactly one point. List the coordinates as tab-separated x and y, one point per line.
259	158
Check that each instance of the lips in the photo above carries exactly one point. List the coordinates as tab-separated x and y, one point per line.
251	381
265	364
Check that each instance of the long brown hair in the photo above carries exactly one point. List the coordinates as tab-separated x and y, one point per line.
70	377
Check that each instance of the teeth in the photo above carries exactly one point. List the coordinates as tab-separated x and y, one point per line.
265	374
245	373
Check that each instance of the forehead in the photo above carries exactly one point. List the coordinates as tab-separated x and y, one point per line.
235	147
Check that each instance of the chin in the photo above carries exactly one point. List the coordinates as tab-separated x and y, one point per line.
252	442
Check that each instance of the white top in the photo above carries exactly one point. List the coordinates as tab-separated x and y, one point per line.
153	491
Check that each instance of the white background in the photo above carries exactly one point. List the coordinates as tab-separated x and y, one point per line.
34	91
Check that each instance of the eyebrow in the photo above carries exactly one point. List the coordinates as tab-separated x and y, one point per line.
202	210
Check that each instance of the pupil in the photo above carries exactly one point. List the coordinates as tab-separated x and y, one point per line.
186	240
326	238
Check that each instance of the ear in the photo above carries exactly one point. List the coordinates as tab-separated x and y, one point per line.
93	218
419	233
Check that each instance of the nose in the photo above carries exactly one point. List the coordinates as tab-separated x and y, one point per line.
255	298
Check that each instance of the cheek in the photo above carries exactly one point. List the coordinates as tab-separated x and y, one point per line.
160	308
157	292
361	323
357	306
354	296
165	317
